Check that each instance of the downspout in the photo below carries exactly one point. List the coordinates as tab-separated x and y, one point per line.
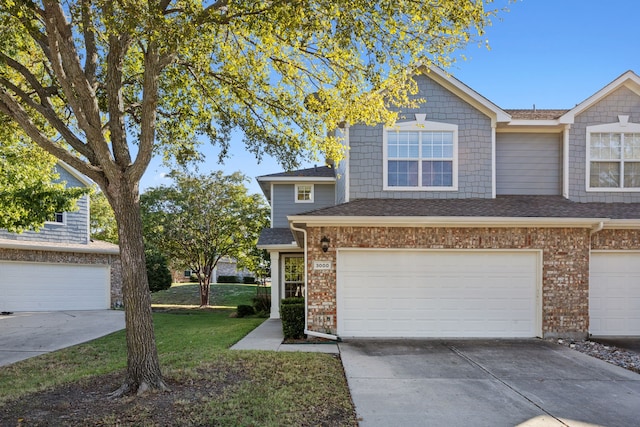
598	227
306	299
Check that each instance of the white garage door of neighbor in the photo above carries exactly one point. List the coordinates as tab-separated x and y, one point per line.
404	293
30	286
614	294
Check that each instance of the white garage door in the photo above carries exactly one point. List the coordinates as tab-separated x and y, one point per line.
399	293
614	294
29	286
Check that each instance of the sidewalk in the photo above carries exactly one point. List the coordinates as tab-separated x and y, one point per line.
268	336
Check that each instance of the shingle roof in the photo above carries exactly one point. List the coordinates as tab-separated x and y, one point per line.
275	236
94	246
535	114
501	206
314	172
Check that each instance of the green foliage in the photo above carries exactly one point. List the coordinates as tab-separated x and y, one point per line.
199	219
262	303
102	220
245	310
228	279
292	315
249	280
157	272
30	190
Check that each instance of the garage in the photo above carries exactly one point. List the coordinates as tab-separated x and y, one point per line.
438	293
31	286
614	294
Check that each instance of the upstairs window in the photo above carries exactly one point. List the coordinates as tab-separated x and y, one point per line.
304	193
422	157
58	218
613	157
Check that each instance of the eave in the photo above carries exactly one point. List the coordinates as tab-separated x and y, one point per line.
433	221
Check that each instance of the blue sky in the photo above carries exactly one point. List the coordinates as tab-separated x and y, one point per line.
551	53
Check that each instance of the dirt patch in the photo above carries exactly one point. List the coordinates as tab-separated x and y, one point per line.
86	403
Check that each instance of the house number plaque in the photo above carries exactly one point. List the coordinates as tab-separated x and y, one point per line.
322	265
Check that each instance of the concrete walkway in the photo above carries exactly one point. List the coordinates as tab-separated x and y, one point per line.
268	336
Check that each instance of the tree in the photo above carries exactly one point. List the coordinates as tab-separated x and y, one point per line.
30	190
200	219
103	84
158	271
102	222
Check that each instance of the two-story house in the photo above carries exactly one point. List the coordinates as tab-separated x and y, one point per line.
59	267
467	220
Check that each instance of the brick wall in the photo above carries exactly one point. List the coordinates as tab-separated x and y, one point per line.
73	258
565	275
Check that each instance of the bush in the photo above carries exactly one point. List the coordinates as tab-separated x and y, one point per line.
228	279
249	280
194	278
245	310
292	315
157	272
262	303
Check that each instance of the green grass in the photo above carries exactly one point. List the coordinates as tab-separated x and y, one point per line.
211	384
220	295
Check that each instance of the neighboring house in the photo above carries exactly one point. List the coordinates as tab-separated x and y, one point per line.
227	266
59	267
467	220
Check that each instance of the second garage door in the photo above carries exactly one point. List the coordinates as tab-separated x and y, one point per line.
31	286
614	294
415	293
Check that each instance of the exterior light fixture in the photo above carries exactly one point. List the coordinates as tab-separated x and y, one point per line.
324	243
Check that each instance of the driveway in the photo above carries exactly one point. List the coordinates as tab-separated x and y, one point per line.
486	383
28	334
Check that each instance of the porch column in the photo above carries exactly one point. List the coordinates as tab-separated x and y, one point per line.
275	285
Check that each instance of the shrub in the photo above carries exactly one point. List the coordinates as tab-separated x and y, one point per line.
193	278
249	280
262	303
245	310
228	279
292	315
157	272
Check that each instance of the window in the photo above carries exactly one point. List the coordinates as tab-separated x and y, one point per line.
304	193
421	156
613	157
293	276
58	218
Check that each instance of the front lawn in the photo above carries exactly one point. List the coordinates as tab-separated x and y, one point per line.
228	295
210	384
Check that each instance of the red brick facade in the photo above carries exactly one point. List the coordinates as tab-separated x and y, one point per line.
565	264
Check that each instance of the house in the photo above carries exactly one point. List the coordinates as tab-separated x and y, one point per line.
468	220
59	267
227	266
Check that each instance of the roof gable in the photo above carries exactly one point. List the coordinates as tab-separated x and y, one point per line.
464	92
629	80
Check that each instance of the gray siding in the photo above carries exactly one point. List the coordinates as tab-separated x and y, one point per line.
621	102
474	148
74	230
283	201
529	164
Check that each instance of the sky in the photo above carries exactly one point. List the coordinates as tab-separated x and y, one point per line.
548	53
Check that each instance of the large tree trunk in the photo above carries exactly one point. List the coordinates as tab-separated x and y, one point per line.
204	289
143	367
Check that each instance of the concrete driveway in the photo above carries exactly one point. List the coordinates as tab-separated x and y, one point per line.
28	334
486	383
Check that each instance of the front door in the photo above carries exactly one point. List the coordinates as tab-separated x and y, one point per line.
293	275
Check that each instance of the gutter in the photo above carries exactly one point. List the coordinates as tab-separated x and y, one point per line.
306	299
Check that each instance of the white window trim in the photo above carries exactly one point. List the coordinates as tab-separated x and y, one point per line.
311	194
622	126
64	220
420	124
